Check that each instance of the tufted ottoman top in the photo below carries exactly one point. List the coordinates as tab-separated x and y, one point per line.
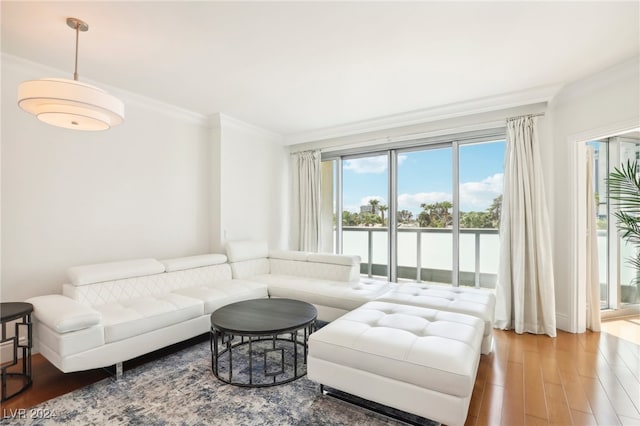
428	348
471	301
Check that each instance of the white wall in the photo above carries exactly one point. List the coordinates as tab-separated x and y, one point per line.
253	181
168	183
141	189
601	105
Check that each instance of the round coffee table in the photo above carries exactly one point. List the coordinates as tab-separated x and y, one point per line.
268	331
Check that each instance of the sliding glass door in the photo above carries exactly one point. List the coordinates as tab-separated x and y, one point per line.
425	215
428	212
365	211
619	281
481	172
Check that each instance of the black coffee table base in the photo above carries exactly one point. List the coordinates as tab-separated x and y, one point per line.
259	360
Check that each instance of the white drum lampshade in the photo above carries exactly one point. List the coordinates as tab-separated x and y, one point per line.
70	104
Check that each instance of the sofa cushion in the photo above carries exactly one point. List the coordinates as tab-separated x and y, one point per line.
101	272
237	251
314	270
300	256
336	294
129	318
63	314
334	259
181	263
216	295
134	288
428	348
476	302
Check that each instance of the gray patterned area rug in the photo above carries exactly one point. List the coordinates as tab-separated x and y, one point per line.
180	389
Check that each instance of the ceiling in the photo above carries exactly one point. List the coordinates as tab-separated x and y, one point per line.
298	67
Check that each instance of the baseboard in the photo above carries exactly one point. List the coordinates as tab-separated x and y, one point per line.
625	311
563	323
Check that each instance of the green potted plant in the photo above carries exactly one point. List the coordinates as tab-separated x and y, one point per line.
624	188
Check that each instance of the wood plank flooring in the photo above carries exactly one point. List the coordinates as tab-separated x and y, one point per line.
574	379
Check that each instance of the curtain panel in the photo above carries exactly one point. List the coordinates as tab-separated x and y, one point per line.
305	221
525	299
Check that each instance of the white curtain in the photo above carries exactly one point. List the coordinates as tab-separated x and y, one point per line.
525	299
305	222
592	272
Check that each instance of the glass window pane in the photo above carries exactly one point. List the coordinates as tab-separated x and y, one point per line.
481	172
629	276
600	173
365	212
425	208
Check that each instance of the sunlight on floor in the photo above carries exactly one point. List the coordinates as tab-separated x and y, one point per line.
627	328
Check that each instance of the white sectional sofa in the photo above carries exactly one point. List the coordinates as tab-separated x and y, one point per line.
330	282
113	312
412	346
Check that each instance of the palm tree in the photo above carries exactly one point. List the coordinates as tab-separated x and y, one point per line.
350	219
404	216
424	218
374	205
475	220
383	209
369	219
495	210
624	187
436	215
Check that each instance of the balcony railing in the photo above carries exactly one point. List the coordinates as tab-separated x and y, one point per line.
426	254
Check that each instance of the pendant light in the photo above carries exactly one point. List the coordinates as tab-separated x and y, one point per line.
70	103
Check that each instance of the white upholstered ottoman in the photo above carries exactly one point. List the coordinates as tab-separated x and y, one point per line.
476	302
418	360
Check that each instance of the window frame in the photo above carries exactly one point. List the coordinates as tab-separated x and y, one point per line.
392	149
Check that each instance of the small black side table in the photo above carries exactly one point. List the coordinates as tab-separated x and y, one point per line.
21	313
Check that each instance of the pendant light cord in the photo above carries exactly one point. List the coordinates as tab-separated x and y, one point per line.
75	71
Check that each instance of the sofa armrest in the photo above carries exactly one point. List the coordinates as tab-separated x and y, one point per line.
320	266
63	314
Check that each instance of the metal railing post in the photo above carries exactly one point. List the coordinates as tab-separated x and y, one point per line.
477	250
477	233
419	257
370	248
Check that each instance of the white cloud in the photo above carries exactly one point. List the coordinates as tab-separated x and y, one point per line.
370	164
477	196
474	196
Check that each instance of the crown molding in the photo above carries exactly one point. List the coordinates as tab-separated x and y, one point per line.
630	124
476	106
226	120
43	71
577	89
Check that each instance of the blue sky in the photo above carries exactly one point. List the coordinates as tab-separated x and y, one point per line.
426	177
